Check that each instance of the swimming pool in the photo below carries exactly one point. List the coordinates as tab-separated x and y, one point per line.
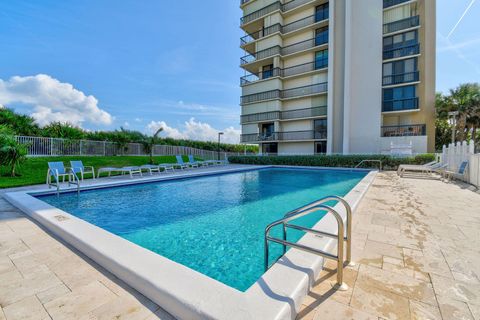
212	224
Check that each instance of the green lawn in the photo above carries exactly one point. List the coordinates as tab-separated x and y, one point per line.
34	171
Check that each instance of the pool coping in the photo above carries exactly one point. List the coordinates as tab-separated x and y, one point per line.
184	292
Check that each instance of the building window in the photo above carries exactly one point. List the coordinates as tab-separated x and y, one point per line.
321	36
320	128
400	13
321	12
269	147
321	147
400	40
267	71
321	59
267	130
401	71
400	98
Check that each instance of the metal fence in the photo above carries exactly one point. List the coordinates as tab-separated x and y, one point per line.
50	147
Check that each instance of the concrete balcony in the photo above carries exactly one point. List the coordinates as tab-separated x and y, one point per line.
283	73
404	130
314	89
307	135
284	115
248	60
401	24
391	3
288	6
405	51
318	17
400	105
395	79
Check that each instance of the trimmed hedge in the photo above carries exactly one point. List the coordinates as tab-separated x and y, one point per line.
348	161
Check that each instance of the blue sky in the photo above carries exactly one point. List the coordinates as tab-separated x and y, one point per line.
116	63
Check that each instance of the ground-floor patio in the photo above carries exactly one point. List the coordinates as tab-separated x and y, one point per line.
416	243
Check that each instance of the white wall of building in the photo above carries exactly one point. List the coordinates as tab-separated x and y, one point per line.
363	76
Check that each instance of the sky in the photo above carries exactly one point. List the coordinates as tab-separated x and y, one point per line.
141	65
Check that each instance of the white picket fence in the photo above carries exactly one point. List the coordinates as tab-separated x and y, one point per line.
50	147
455	154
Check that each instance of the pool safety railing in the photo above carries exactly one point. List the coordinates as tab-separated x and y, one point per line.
341	237
72	179
380	164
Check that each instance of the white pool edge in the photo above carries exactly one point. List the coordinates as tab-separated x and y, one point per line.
183	292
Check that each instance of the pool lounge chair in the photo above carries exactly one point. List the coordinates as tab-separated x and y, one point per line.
459	174
123	170
193	162
166	167
180	164
79	169
150	168
425	168
58	171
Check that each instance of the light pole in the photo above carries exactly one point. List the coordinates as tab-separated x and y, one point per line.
453	122
218	146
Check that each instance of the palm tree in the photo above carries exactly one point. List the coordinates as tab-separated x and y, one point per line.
12	153
150	142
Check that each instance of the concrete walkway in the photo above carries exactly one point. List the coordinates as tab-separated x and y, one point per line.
416	244
417	247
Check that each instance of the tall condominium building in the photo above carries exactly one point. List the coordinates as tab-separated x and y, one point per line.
338	76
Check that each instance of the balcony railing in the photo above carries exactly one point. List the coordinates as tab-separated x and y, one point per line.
261	12
400	105
293	26
284	115
262	96
404	130
285	136
304	113
242	2
259	55
401	24
391	3
401	78
260	34
319	40
285	94
401	52
286	72
304	91
270	8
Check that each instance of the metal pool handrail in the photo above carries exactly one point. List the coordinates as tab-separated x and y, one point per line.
310	208
368	160
348	210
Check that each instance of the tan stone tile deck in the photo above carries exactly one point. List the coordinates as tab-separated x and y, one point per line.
416	244
417	247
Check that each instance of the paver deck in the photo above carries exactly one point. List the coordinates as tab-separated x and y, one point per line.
416	244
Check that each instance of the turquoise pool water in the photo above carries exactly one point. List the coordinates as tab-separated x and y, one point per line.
212	224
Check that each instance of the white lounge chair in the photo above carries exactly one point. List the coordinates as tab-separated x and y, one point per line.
167	167
425	168
130	170
150	168
78	168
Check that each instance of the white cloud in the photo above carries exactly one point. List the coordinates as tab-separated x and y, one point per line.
138	120
126	124
195	130
53	100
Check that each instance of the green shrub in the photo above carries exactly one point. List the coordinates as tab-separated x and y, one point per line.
348	161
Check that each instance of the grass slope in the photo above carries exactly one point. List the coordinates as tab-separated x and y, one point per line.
34	171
